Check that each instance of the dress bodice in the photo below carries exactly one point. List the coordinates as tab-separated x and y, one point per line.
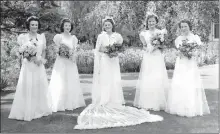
71	42
147	34
104	39
191	38
40	42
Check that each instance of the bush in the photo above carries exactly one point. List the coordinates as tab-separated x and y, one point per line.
4	83
170	56
85	61
10	64
130	60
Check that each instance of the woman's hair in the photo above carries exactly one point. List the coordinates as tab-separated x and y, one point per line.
186	21
32	18
111	21
151	16
62	24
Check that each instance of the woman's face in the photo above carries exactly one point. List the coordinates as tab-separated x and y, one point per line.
67	27
151	22
184	27
33	26
108	26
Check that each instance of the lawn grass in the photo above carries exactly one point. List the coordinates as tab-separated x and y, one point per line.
63	122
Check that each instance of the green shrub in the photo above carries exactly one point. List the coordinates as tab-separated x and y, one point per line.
4	83
85	61
10	63
170	56
130	60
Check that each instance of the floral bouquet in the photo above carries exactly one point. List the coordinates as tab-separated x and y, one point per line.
28	51
158	41
113	50
65	52
187	48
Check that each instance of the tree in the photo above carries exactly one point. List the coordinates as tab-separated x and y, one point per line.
200	13
15	13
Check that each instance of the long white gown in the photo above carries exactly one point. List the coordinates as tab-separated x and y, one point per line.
187	96
107	109
152	85
65	84
31	99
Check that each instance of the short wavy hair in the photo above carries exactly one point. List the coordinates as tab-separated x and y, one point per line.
151	16
62	24
111	21
32	18
186	21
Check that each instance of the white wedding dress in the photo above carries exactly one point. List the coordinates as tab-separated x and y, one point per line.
107	109
31	99
187	96
153	84
65	84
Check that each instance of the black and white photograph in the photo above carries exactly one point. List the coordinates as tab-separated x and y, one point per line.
108	67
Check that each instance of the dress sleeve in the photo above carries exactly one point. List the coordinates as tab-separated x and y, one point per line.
178	42
119	38
20	38
141	33
57	40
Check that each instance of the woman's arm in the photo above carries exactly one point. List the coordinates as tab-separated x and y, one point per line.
143	41
177	44
56	40
119	39
99	47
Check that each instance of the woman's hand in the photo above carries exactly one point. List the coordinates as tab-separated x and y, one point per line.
154	49
39	60
73	59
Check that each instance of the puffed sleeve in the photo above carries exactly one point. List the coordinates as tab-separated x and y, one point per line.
178	42
142	33
20	38
198	40
57	39
119	38
44	40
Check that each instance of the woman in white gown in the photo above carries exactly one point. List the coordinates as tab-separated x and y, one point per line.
65	84
186	96
32	99
107	109
153	81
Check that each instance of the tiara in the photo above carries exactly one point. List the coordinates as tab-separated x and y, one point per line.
108	18
65	19
151	10
34	17
151	13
